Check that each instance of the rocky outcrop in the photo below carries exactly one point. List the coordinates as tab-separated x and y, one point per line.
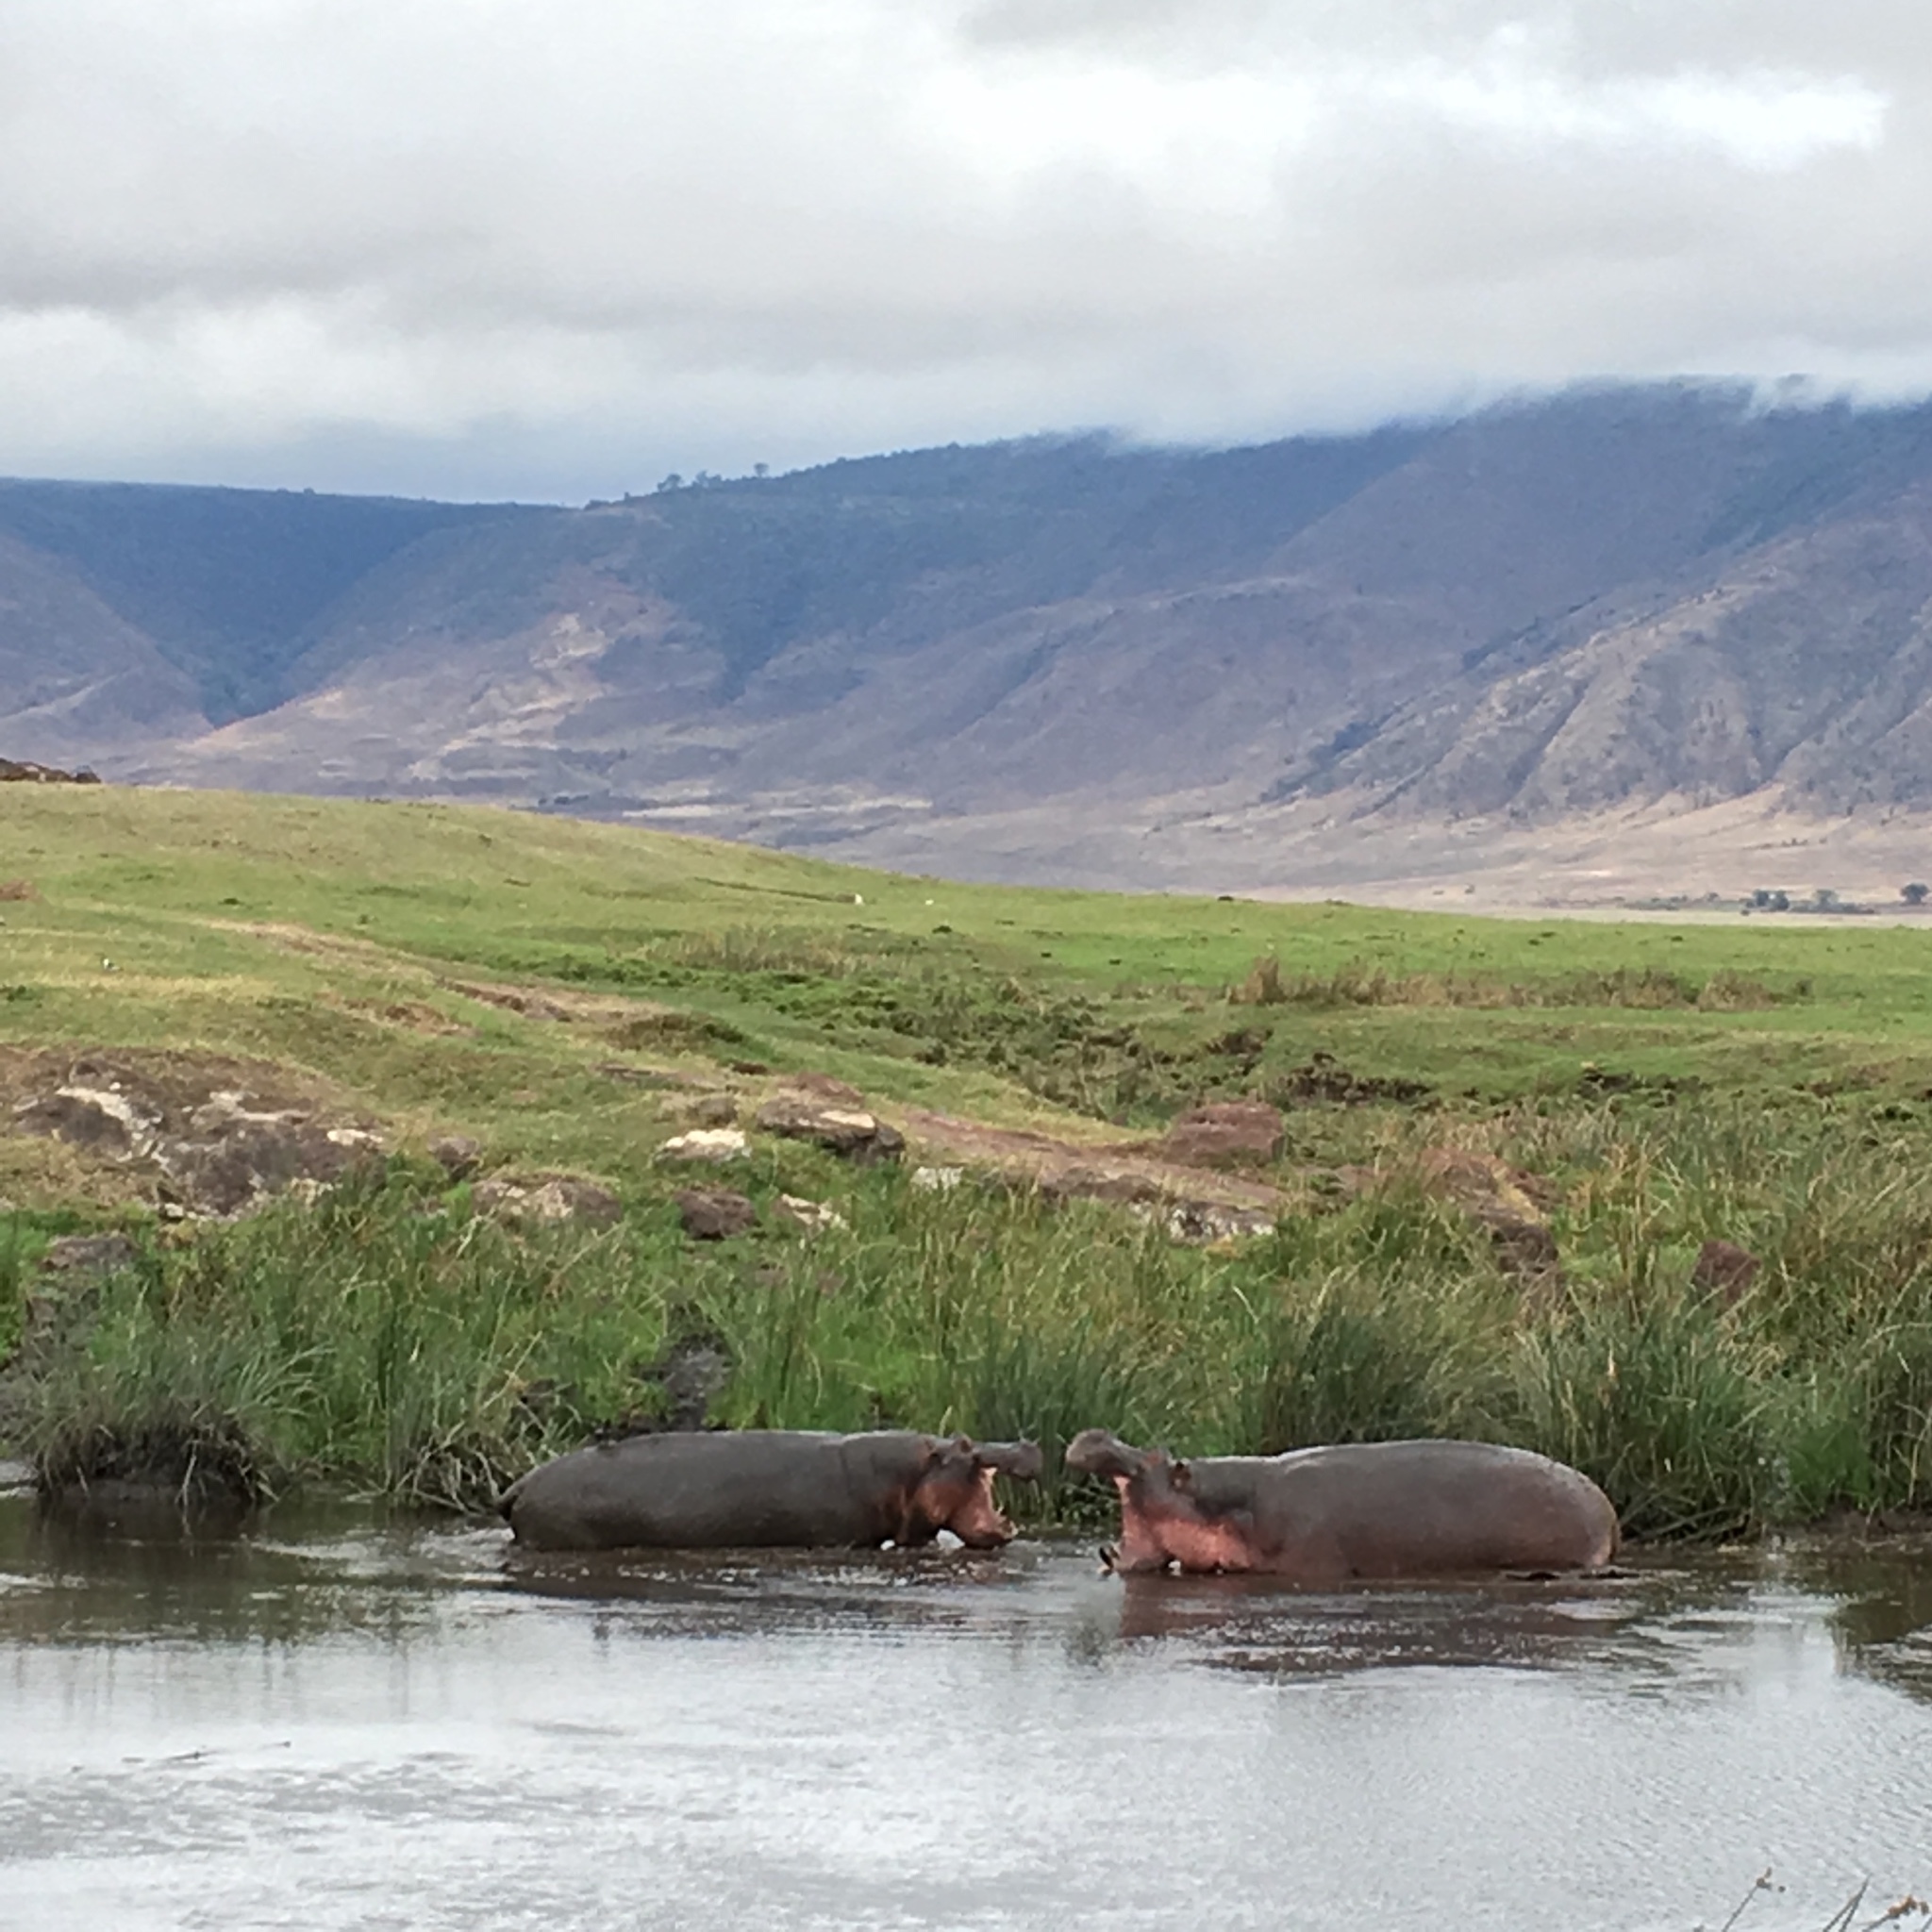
205	1135
547	1198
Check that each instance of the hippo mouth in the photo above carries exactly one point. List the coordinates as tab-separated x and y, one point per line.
982	1524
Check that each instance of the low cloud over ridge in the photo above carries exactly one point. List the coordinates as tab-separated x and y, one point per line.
471	247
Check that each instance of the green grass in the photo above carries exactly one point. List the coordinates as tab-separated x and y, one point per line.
386	1340
1768	1085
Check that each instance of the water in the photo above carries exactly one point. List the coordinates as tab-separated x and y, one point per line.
340	1723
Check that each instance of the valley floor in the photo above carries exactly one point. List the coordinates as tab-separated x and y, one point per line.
372	1115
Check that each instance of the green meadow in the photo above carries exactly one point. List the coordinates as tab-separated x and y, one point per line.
521	980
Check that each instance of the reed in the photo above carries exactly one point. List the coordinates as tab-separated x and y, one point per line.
388	1340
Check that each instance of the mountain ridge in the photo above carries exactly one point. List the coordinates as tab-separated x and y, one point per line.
1613	601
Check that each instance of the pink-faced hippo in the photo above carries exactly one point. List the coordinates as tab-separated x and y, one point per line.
1355	1510
769	1488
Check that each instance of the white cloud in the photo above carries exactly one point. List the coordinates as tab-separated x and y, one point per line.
253	237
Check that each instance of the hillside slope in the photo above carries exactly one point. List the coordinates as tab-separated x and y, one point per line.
1063	658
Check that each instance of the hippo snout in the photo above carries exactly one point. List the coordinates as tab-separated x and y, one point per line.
1099	1452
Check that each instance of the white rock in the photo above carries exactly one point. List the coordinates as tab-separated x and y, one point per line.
814	1217
707	1143
938	1180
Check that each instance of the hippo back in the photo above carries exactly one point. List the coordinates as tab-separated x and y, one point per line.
1416	1508
747	1489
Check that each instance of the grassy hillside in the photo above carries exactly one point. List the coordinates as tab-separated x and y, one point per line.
523	980
188	895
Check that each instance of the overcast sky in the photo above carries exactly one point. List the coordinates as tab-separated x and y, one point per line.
559	247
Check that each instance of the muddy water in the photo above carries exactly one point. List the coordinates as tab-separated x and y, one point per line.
340	1723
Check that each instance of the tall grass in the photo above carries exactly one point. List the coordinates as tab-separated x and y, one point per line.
1364	983
386	1340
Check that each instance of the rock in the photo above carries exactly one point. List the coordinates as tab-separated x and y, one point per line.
711	1110
937	1180
1725	1269
1200	1223
809	1217
89	1254
707	1143
547	1197
217	1136
457	1155
1506	1201
850	1132
715	1214
1527	1250
1225	1133
1487	1186
691	1371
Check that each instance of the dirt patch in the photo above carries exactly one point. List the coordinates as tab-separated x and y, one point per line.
562	1007
204	1133
1725	1270
412	1016
1067	1170
305	939
1225	1133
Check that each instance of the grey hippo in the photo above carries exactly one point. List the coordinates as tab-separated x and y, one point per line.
1352	1510
769	1488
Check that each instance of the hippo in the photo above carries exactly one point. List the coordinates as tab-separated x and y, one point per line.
1352	1510
769	1488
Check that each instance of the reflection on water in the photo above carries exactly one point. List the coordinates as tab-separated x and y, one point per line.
335	1722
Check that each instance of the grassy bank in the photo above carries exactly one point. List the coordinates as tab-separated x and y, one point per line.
386	1340
513	978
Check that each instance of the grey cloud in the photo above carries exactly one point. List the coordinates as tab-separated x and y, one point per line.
415	238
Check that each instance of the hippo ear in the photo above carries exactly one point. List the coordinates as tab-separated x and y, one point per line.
1180	1476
